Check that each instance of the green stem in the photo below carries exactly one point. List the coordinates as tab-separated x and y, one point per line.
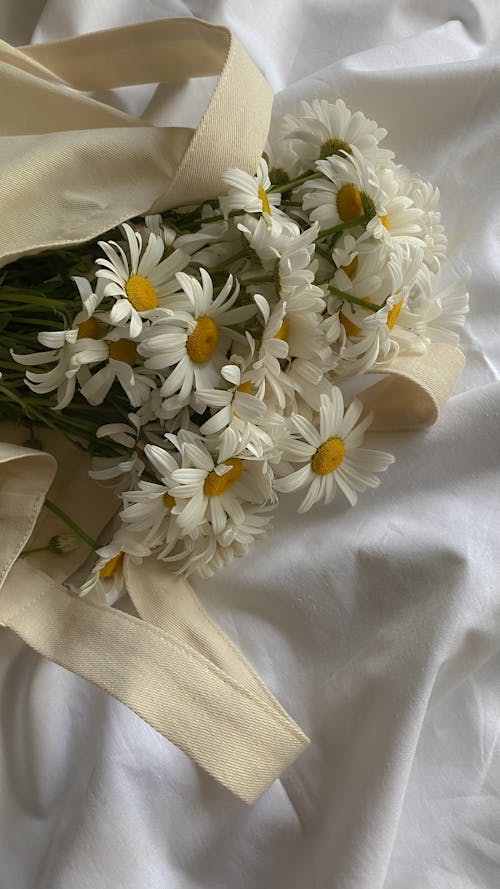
70	523
37	323
324	253
20	368
294	183
372	307
34	299
342	226
202	220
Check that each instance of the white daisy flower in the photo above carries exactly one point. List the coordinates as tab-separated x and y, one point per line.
147	512
376	276
430	316
74	350
374	336
301	325
122	365
264	241
451	305
289	255
293	329
350	191
426	197
209	553
402	219
140	281
154	224
236	404
251	194
282	161
206	490
267	372
364	277
332	456
322	129
194	344
106	581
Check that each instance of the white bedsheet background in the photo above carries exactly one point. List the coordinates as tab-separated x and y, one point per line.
378	628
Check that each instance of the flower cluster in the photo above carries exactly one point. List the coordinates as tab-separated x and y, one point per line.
219	340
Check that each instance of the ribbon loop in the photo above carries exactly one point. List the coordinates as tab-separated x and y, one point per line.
65	155
414	389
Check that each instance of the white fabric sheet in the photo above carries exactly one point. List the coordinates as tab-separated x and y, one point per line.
378	628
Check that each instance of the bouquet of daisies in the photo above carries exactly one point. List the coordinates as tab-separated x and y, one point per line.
200	355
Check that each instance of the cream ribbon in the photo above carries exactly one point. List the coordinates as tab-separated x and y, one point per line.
66	156
414	388
172	665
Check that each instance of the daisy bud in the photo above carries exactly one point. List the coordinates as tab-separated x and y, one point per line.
63	543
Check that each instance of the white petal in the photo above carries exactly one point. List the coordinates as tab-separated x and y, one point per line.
189	476
306	429
294	481
313	495
232	374
351	417
120	311
346	488
198	456
217	514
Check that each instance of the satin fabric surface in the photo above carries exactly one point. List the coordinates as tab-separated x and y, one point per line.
377	628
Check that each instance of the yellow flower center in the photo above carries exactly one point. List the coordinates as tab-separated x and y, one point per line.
349	203
283	331
169	501
385	222
219	484
202	343
245	387
88	330
394	314
266	207
110	567
141	293
351	269
334	146
328	457
123	350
